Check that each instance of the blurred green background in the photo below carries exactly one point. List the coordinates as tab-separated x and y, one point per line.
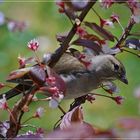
44	22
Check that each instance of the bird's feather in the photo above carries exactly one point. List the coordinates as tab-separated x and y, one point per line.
68	64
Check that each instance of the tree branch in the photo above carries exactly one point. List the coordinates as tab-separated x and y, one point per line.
18	109
125	34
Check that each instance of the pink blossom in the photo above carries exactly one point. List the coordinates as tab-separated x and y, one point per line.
106	3
39	112
21	61
61	7
54	86
133	4
90	98
136	15
3	103
40	130
33	45
106	22
51	80
54	102
114	18
54	90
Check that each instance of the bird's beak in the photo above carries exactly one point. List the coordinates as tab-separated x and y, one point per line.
124	79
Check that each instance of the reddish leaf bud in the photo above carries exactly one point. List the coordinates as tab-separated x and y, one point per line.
118	99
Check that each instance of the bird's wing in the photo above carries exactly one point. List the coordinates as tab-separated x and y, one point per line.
68	64
65	65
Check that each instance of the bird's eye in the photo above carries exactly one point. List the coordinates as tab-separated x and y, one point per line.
116	67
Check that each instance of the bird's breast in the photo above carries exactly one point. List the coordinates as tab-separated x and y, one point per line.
79	84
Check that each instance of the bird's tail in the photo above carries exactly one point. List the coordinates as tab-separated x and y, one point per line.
20	88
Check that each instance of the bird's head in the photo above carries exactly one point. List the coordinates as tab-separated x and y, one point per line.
108	67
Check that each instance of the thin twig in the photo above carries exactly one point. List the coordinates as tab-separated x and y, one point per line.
102	95
29	125
27	120
120	25
62	110
96	13
134	34
130	52
125	34
20	117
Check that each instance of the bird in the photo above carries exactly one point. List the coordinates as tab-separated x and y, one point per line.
78	79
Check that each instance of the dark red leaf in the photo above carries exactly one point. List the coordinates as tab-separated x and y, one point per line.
82	131
101	31
4	126
89	44
81	31
38	75
76	53
112	51
93	37
46	58
75	131
60	38
74	116
23	62
18	73
133	43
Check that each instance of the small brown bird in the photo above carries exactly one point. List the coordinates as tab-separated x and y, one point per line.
79	79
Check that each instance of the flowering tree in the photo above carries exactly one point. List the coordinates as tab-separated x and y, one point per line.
41	77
